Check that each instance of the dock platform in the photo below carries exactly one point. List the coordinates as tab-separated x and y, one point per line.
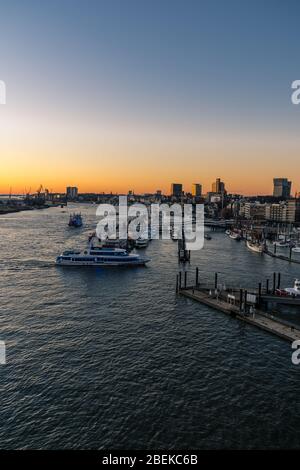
258	318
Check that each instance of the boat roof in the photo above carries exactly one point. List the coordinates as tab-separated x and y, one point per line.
110	250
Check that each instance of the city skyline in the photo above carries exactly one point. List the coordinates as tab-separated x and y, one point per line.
195	189
138	95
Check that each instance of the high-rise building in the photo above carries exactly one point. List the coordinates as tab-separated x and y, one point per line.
218	186
176	189
197	190
72	192
282	188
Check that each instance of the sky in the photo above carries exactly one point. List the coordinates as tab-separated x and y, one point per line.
136	94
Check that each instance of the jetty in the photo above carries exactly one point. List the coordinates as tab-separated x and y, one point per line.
252	306
274	254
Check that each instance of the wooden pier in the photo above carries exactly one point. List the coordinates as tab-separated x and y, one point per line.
241	304
289	258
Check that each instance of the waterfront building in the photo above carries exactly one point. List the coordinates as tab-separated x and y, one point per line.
254	210
276	212
293	210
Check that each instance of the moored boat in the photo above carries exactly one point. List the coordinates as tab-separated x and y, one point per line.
235	236
282	244
256	247
294	291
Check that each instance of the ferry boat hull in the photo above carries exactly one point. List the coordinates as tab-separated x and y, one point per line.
92	262
100	257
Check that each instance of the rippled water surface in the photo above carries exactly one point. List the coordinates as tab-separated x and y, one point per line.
108	358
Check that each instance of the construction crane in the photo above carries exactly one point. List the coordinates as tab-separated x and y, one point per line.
39	190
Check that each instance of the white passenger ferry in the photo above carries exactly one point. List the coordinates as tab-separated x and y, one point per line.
99	256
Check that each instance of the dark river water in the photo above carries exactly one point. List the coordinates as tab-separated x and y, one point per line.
111	358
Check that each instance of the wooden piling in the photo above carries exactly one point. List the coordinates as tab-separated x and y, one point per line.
241	299
216	280
278	280
197	276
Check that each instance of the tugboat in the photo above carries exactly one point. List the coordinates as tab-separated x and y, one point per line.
75	220
99	256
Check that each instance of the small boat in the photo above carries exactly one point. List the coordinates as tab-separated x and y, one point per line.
228	232
207	236
282	244
294	291
75	220
296	249
256	247
235	236
99	256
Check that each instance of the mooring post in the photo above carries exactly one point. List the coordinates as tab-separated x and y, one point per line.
278	280
259	293
197	276
246	293
275	248
177	284
185	277
267	286
216	280
241	299
180	280
274	282
290	252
